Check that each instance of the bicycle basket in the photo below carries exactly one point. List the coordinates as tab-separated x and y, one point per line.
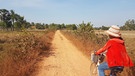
94	58
101	58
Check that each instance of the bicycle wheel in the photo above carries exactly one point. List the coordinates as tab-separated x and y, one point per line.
93	69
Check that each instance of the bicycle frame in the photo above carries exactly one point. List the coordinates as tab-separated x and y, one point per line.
97	61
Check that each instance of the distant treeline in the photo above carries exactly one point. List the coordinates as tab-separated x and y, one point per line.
129	25
10	20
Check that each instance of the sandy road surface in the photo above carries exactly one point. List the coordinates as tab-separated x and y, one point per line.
66	60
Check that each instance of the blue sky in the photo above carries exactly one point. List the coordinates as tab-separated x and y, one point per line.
98	12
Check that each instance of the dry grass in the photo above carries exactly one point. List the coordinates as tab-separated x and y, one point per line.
20	51
129	37
86	46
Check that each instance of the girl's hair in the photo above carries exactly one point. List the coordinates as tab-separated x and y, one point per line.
115	37
121	38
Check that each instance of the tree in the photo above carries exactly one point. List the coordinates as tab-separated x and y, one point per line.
86	27
53	26
2	25
104	28
5	17
46	26
39	26
71	27
86	31
20	22
63	26
129	25
12	19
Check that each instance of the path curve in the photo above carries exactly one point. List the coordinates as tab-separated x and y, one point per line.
67	60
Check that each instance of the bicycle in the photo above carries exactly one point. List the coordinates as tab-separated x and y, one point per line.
96	60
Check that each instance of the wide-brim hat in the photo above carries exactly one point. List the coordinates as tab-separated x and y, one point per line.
114	31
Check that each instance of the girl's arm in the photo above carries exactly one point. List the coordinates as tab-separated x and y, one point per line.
104	48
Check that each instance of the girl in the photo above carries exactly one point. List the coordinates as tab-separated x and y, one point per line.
116	52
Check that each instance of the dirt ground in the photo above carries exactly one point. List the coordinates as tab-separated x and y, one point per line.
67	60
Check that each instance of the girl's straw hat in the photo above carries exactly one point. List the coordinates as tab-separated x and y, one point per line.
114	31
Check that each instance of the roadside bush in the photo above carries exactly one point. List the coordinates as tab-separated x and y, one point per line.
85	38
19	52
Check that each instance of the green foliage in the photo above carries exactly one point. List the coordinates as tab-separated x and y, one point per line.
71	27
53	26
5	17
129	25
85	31
40	26
46	26
12	20
101	28
104	28
63	26
13	16
85	27
2	25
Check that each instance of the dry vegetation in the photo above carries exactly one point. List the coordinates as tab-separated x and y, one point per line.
21	51
129	37
87	45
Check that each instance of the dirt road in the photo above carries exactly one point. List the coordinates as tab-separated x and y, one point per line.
66	60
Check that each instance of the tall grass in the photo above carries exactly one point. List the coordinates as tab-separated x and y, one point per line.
86	42
129	37
19	52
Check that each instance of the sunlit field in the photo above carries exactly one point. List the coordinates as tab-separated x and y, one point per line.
129	37
128	34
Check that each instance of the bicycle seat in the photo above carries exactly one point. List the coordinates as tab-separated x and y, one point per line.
117	69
